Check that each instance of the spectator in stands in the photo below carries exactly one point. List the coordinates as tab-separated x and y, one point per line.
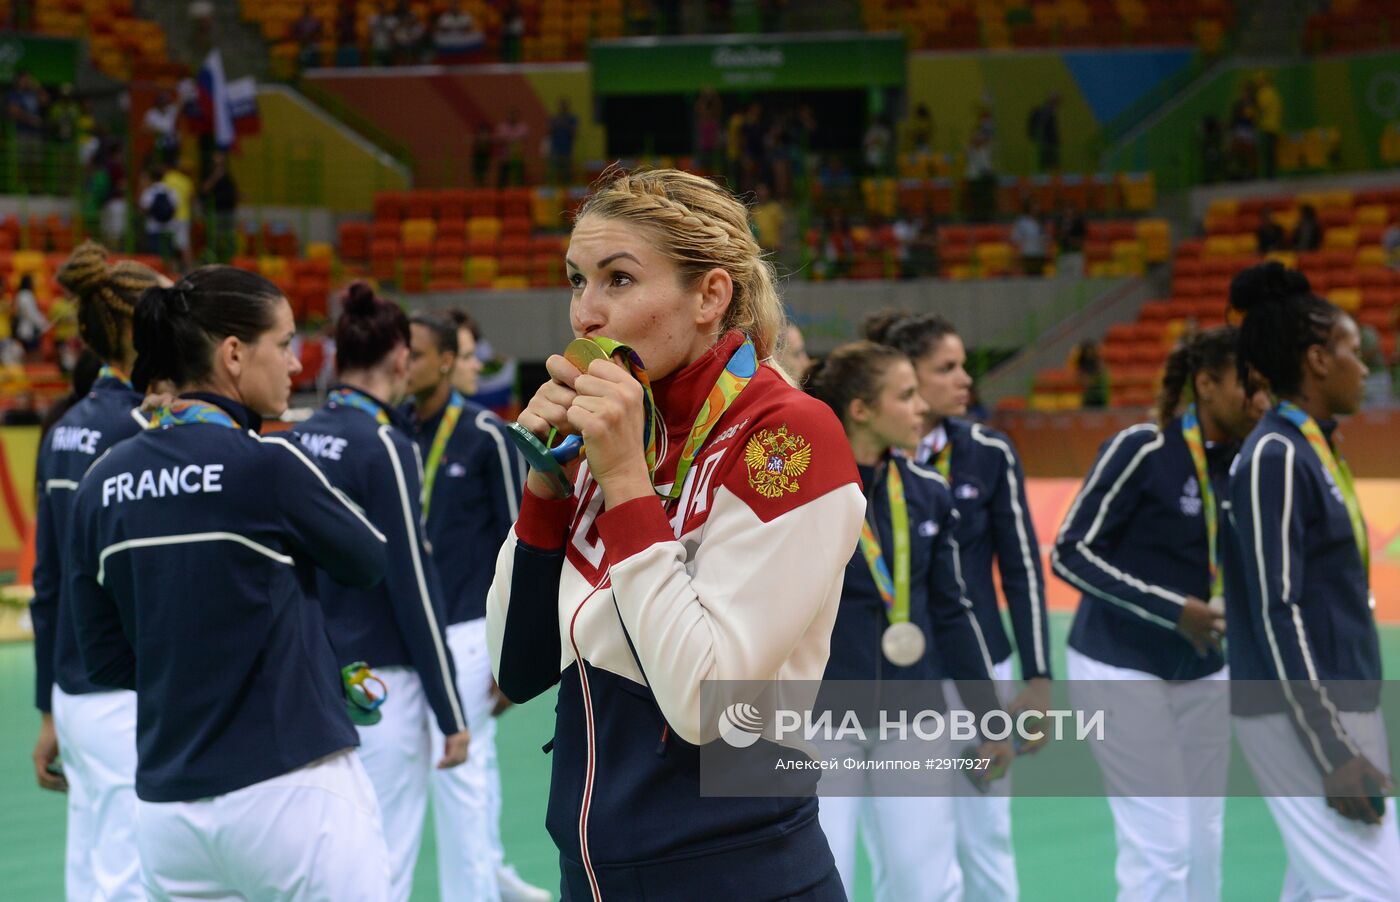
162	123
158	203
456	36
1390	242
63	116
980	171
1244	136
1070	230
834	176
1269	107
483	154
1093	379
1307	234
709	130
1028	237
1269	236
838	245
307	32
1043	128
30	324
220	194
114	218
410	35
382	27
768	218
1213	168
347	35
182	187
563	127
512	135
920	131
25	107
753	135
512	32
876	146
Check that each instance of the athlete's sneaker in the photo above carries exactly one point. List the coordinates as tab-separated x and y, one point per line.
515	889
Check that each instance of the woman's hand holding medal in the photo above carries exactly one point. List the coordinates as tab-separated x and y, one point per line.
546	414
604	406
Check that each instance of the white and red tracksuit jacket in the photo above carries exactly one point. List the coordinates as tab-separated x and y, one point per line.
631	609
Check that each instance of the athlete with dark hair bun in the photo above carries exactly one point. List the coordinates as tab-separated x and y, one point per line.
194	553
398	627
93	726
1298	603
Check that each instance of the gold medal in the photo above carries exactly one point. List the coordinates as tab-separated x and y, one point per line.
583	351
903	643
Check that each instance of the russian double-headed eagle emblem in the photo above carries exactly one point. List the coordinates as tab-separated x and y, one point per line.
775	460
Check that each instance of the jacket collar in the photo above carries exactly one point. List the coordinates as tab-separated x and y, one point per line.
241	415
680	395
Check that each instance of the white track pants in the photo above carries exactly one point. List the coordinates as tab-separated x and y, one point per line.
467	799
1329	857
398	756
1169	847
313	833
97	739
985	853
909	840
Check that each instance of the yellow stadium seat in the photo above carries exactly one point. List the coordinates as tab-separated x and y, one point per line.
320	250
483	228
1219	246
1340	238
1287	219
1223	207
1246	244
1287	258
1372	214
1371	255
1349	299
418	231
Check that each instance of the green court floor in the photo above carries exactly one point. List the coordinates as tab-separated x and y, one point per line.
1064	847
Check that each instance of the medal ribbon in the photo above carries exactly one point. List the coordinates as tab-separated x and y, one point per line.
1195	443
943	462
108	372
346	397
446	426
894	592
1337	468
742	365
187	412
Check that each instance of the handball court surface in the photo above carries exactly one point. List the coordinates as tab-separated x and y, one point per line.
1064	847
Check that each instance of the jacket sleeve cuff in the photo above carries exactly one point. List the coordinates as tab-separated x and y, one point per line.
633	527
544	523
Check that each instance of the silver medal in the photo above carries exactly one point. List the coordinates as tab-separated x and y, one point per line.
903	643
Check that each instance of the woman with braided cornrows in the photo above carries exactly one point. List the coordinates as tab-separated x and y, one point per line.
1142	542
94	727
1299	609
715	552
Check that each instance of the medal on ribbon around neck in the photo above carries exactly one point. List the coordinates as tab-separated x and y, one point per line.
903	642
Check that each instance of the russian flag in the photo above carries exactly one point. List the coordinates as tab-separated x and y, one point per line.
213	100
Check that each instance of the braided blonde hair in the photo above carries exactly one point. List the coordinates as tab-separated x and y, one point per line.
700	226
107	294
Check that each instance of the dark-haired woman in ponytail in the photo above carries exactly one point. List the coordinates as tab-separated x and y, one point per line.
1142	542
399	626
903	616
195	547
994	529
1298	602
93	726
